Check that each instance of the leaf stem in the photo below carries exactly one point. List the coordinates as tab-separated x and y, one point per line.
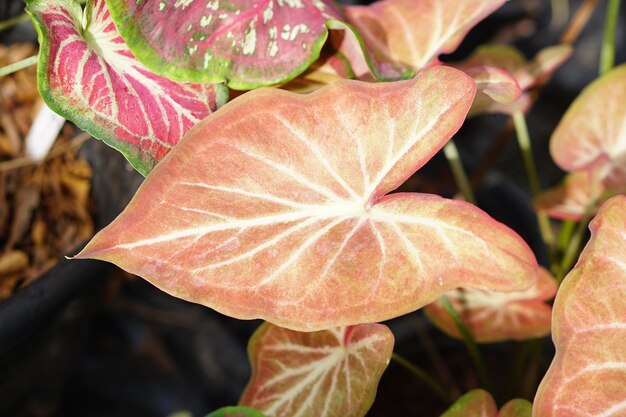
607	54
19	65
523	138
13	21
421	374
470	343
452	155
574	243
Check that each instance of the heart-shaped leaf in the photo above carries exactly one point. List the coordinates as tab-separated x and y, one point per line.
479	403
414	33
236	412
330	373
245	43
275	207
592	134
493	85
495	316
570	199
588	374
88	75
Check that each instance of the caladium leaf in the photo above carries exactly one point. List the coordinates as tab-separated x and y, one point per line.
275	207
236	412
493	316
479	403
570	199
414	33
330	373
592	134
324	71
246	44
588	374
88	75
493	85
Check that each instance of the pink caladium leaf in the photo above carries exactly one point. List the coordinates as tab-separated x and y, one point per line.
479	403
246	44
239	411
493	316
588	374
88	75
414	33
329	373
274	207
493	85
592	134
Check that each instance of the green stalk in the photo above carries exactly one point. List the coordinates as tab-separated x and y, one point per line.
452	155
421	374
19	65
574	244
523	138
470	343
16	20
607	55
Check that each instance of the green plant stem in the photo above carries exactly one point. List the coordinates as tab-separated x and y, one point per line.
470	343
421	374
452	155
19	65
574	244
560	12
607	55
523	139
16	20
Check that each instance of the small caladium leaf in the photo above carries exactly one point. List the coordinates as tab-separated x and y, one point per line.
88	75
275	207
493	85
479	403
246	44
414	33
588	374
330	373
592	134
239	411
570	199
495	316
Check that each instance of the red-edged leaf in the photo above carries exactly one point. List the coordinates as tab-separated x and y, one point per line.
245	43
493	316
330	373
275	207
236	412
413	33
88	75
570	199
592	134
479	403
588	374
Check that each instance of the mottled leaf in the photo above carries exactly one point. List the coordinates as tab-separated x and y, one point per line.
236	412
495	316
246	44
588	374
414	33
330	373
479	403
592	134
88	75
570	199
275	207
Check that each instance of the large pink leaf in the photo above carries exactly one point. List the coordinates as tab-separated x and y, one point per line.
592	134
495	316
245	43
415	32
89	76
275	207
588	374
479	403
330	373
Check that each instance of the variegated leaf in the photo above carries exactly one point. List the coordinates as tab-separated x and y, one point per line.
588	374
236	412
493	316
570	199
88	75
330	373
592	134
246	44
275	207
479	403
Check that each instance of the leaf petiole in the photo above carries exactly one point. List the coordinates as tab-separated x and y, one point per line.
452	155
421	374
607	54
19	65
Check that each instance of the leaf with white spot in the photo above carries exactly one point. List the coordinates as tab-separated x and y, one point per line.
592	134
236	412
588	374
245	43
479	403
330	373
88	75
495	316
274	207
